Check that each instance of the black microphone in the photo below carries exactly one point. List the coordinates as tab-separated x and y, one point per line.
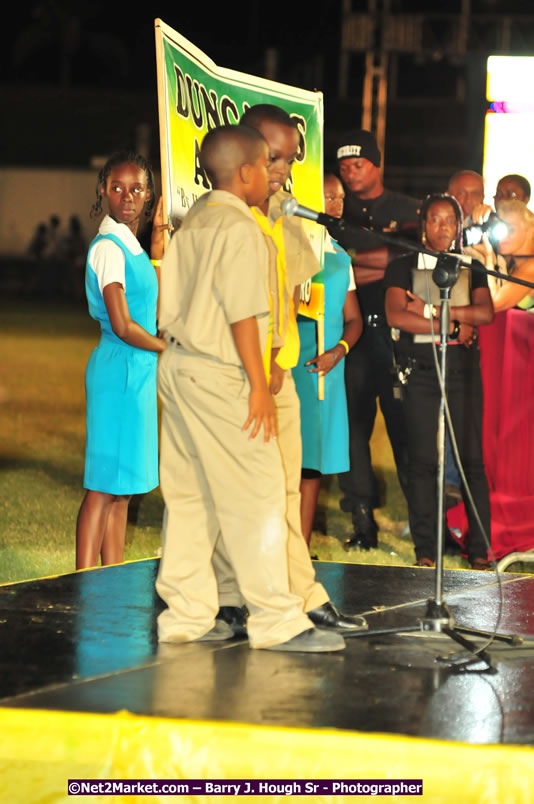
290	206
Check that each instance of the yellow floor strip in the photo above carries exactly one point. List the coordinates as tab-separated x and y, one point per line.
40	751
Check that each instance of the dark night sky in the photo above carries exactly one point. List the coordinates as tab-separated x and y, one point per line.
105	49
116	45
107	46
233	34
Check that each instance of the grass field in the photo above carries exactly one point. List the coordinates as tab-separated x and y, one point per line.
44	350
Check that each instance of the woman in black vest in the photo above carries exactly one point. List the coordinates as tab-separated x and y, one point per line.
412	306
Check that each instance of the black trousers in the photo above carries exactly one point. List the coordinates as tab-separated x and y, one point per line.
421	408
368	376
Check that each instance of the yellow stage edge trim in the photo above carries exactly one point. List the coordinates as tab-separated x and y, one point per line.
41	750
86	569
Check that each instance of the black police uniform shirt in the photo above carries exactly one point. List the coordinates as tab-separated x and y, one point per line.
396	212
399	274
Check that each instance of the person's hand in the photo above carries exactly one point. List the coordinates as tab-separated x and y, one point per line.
415	304
467	334
277	377
486	250
157	241
261	410
328	359
481	213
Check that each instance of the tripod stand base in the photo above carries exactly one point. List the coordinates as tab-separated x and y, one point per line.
438	619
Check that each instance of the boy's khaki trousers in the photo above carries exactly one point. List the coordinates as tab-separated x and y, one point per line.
218	484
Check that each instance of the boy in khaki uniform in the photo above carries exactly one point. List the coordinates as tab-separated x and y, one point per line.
292	262
218	481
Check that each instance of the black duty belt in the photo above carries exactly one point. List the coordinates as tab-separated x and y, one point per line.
376	320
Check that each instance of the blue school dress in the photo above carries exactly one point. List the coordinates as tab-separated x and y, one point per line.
121	453
324	424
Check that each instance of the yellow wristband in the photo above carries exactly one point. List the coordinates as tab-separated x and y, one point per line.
156	263
345	344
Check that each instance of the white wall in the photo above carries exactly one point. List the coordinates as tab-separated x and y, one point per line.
28	196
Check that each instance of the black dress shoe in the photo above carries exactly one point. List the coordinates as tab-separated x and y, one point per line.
365	529
236	618
328	618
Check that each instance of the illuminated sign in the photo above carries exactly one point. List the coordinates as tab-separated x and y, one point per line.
509	128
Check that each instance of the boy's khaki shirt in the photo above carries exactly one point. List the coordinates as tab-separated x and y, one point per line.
214	273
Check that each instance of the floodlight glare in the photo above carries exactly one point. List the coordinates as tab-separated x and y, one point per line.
495	228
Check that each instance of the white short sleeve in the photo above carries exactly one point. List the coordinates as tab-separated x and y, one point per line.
108	262
352	283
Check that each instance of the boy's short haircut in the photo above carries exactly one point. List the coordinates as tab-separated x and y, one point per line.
225	148
267	111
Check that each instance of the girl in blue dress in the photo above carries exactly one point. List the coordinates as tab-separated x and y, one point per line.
324	424
121	454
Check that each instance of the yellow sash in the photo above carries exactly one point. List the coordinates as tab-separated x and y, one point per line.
288	355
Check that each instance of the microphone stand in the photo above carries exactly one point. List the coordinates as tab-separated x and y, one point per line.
341	227
438	617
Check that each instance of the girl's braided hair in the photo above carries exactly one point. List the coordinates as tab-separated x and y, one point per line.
121	158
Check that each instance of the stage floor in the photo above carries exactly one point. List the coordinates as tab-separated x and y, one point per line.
86	642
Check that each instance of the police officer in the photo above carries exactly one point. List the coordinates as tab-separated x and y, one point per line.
369	366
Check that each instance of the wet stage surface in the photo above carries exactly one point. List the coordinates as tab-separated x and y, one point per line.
87	642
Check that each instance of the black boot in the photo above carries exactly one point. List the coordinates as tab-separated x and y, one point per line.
365	529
